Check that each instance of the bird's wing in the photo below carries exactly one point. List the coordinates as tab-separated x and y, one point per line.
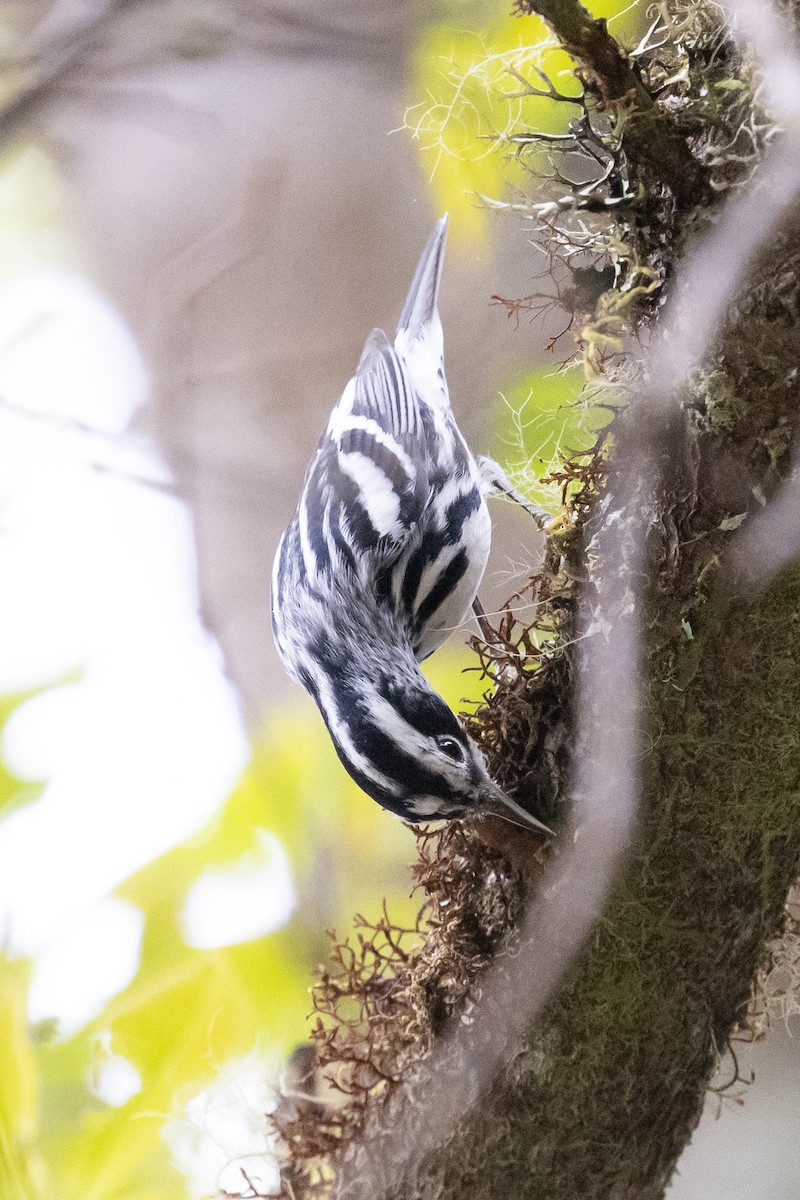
369	484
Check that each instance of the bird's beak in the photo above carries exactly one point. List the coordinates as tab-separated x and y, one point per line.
495	803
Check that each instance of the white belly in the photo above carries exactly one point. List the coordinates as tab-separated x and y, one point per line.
476	539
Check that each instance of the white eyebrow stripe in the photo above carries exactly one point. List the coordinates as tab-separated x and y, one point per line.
340	733
422	746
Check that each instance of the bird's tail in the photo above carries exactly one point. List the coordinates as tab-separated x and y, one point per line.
420	306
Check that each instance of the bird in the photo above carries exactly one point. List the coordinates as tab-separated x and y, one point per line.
381	560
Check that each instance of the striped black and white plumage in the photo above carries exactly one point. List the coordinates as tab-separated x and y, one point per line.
381	561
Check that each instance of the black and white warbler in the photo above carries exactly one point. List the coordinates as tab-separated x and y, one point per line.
381	561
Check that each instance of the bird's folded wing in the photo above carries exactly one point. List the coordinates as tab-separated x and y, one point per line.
371	473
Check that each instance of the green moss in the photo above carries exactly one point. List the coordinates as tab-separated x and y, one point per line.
621	1050
721	407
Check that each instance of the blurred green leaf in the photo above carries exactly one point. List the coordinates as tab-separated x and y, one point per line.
21	1172
32	228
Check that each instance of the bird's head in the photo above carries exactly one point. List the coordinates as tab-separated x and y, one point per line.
406	749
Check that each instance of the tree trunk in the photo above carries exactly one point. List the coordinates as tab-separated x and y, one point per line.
600	1094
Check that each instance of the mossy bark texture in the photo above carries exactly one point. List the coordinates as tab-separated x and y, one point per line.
602	1094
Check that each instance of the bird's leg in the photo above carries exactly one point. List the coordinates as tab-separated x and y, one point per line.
489	635
495	482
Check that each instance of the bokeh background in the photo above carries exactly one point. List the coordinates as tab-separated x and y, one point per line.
204	209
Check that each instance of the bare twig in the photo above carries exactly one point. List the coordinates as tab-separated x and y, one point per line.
549	92
55	65
650	136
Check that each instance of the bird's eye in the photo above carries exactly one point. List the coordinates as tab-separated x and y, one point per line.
451	748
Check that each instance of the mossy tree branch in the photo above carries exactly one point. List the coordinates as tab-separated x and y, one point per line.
651	140
600	1093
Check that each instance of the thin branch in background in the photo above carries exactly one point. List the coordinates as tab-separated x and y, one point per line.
55	64
768	543
765	32
717	269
